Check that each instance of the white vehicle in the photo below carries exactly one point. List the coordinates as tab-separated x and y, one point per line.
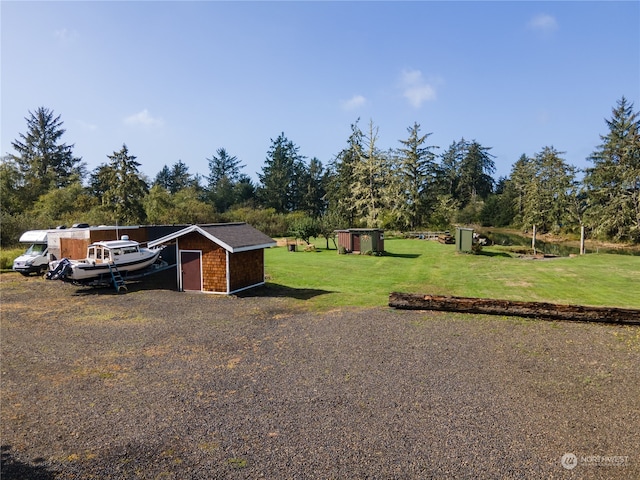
35	259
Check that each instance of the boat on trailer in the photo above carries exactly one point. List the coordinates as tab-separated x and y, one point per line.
125	256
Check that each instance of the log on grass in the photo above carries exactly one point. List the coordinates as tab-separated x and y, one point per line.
489	306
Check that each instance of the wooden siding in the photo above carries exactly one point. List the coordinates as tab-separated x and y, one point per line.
73	248
247	269
214	261
344	240
138	235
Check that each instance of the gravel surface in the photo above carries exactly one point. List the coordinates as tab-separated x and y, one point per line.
157	384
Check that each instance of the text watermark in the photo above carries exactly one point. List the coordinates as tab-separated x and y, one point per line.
571	461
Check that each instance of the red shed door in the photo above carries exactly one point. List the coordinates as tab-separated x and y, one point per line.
191	270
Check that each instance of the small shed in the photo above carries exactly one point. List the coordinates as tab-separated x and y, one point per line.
464	239
222	258
361	240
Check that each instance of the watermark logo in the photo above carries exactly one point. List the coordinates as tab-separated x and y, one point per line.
571	461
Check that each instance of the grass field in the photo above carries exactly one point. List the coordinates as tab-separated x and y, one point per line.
419	266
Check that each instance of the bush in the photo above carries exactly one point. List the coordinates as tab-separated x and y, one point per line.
266	220
7	256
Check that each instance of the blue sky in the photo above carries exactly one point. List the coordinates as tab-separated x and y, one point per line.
178	80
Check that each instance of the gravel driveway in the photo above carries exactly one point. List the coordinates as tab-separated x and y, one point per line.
157	384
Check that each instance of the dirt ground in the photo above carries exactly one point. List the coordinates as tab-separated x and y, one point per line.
158	384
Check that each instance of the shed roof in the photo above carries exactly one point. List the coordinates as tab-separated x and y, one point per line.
233	237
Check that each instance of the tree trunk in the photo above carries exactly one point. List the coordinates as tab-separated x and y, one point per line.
547	311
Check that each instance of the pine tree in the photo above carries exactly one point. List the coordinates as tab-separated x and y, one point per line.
121	188
313	182
279	188
223	166
613	184
42	160
475	169
227	186
547	198
522	172
415	178
341	178
371	180
451	161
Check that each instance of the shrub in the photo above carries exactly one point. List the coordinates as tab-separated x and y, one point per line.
7	256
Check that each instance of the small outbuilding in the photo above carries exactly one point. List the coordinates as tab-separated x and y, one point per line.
361	240
220	258
464	239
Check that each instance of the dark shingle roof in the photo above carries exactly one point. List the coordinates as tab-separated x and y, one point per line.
234	237
238	235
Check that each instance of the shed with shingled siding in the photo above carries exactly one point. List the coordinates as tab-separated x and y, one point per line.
220	258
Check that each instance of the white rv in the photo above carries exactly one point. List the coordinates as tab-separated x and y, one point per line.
35	259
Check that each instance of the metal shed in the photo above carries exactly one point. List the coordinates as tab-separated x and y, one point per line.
361	240
464	239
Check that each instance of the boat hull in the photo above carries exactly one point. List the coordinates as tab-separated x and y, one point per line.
83	270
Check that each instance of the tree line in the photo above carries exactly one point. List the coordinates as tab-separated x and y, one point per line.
407	188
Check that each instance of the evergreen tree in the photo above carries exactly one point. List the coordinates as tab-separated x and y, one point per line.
371	180
43	161
279	188
313	181
415	178
341	179
121	188
547	194
175	178
223	166
451	162
475	170
227	186
163	178
613	183
522	172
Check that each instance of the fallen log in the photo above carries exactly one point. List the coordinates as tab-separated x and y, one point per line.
549	311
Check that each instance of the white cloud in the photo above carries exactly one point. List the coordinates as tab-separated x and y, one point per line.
65	35
543	23
354	102
144	119
87	126
415	88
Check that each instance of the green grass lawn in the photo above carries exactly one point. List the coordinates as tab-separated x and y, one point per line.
419	266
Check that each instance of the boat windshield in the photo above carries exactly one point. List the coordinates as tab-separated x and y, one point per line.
132	249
